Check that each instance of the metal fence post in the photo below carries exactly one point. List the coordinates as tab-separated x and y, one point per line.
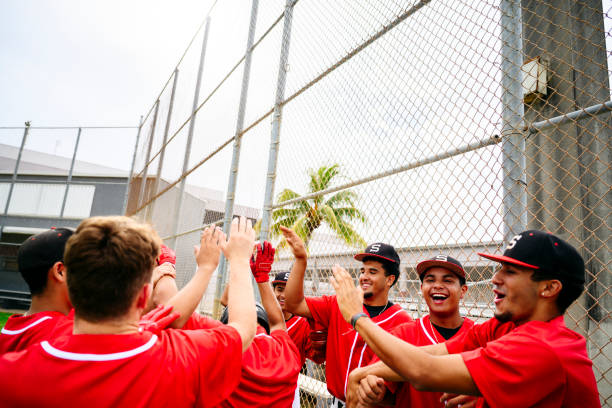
14	179
231	188
513	142
143	184
69	179
162	154
128	187
196	96
276	122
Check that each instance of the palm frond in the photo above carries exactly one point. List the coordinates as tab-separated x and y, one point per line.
329	216
346	197
348	234
349	214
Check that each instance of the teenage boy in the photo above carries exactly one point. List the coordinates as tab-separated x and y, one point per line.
108	361
345	347
41	263
523	357
443	286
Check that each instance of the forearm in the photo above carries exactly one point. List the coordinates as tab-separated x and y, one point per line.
379	369
187	299
294	291
223	299
241	301
273	309
422	369
164	290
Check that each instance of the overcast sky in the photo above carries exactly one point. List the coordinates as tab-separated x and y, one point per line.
70	62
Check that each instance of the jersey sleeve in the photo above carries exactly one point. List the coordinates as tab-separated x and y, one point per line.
515	368
220	363
320	309
478	336
196	321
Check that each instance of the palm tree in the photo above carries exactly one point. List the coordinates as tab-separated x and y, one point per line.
338	211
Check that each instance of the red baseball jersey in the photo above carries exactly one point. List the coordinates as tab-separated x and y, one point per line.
270	368
345	347
176	368
419	333
299	331
20	332
536	364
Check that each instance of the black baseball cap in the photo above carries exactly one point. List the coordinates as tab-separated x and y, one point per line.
281	277
443	261
43	250
380	250
262	317
542	250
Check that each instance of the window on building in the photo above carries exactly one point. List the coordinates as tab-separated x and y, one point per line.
45	200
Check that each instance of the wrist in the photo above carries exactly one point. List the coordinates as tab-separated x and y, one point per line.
356	317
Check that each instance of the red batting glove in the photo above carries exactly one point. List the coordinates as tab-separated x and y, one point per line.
167	255
261	262
157	319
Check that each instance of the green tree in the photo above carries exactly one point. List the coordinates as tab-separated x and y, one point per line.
338	211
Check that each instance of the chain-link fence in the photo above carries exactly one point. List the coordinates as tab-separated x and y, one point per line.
436	126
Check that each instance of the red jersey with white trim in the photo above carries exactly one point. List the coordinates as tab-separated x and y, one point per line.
176	368
345	347
20	332
270	368
299	331
537	364
419	333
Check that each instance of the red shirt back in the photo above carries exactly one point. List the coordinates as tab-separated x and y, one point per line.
177	368
419	333
270	368
20	332
537	364
345	347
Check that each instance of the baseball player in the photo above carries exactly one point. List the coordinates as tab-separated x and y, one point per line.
442	286
108	361
523	357
345	347
40	260
41	264
271	365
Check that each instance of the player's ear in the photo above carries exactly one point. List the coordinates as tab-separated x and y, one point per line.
144	295
550	288
57	272
389	280
464	289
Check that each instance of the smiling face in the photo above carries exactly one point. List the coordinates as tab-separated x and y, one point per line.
279	292
373	282
442	290
516	294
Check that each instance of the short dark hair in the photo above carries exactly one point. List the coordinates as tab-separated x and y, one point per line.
391	268
462	280
108	261
571	289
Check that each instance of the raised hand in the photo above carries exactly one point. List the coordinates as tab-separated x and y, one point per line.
371	390
167	255
209	251
295	243
349	296
239	246
261	262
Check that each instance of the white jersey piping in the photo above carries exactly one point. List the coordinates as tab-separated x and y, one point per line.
13	332
67	355
433	341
